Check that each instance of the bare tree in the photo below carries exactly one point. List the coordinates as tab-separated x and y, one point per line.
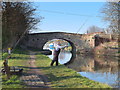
17	17
93	29
111	13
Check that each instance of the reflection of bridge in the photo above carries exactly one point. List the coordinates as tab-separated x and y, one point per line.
95	64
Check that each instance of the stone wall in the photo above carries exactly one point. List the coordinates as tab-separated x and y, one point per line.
97	38
77	41
38	40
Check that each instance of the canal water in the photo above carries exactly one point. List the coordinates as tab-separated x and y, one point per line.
101	69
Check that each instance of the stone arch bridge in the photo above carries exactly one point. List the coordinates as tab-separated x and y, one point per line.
38	40
78	42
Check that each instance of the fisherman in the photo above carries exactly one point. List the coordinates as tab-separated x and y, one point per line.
56	52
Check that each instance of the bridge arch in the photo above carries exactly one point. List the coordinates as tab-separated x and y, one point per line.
38	40
71	43
73	51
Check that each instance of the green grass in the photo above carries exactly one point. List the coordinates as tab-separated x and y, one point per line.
18	58
59	76
13	82
63	77
4	55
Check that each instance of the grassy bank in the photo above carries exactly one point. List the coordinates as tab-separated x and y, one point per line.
63	77
59	76
18	58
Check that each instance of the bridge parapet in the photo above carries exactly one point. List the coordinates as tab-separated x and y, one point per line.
38	40
79	41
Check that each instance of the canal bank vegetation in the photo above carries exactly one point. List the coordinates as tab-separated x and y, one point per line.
107	49
104	49
63	77
59	76
19	58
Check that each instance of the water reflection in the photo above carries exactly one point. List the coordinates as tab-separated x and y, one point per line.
101	69
64	57
105	77
91	64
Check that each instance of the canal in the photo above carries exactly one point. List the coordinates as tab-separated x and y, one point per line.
101	69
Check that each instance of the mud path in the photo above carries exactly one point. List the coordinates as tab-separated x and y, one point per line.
34	78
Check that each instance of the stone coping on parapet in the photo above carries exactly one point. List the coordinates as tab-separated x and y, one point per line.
54	33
